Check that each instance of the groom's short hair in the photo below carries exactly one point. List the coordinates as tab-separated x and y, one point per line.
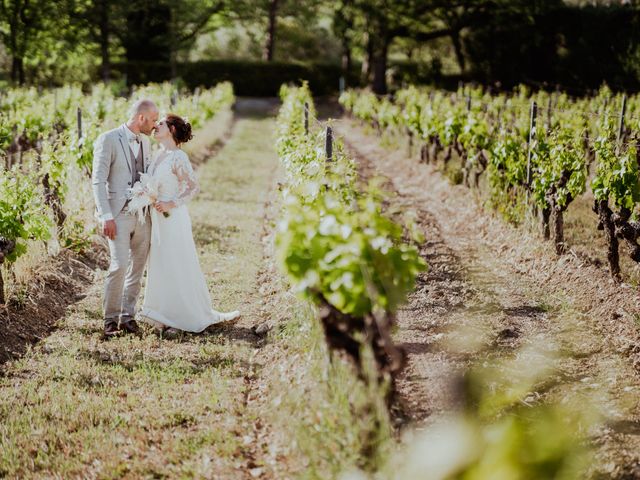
142	106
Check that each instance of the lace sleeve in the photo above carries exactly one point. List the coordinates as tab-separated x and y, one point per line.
188	185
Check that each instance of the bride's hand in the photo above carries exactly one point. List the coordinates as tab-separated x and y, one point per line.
163	207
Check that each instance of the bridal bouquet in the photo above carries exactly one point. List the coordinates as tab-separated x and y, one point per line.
143	195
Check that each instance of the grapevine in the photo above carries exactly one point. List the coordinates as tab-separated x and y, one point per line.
43	159
529	167
337	246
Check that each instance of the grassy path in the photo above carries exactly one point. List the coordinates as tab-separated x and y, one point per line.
76	406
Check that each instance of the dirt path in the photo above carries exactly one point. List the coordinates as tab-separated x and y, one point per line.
491	289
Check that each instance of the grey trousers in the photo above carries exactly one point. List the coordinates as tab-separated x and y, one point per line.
129	253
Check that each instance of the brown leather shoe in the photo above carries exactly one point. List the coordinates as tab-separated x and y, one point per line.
129	326
111	328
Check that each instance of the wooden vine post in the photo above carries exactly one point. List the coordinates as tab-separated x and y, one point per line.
424	148
466	161
329	144
623	110
6	247
2	299
306	118
79	118
532	135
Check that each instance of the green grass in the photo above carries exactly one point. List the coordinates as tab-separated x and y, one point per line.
217	405
328	422
78	406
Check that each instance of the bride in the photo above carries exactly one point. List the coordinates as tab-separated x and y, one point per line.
176	295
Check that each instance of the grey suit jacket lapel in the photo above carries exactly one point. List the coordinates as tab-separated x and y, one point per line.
127	156
144	160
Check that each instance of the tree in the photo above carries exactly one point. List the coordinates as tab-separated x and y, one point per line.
343	25
456	16
99	22
384	20
149	30
270	44
104	30
270	14
20	22
189	19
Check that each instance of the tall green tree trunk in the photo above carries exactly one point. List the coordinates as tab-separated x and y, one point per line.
367	64
270	45
17	69
457	47
380	60
105	68
346	57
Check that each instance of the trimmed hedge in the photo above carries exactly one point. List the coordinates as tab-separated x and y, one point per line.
575	48
263	79
249	78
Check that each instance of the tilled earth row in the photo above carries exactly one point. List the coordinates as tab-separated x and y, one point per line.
492	290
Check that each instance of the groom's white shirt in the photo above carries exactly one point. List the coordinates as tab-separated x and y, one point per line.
112	169
131	138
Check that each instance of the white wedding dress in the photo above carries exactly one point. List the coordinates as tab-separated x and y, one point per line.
176	293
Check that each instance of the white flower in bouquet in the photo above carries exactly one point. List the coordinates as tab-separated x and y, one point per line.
143	195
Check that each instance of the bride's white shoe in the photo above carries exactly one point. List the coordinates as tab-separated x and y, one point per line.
229	316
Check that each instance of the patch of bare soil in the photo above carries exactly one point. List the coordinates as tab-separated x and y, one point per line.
491	289
44	301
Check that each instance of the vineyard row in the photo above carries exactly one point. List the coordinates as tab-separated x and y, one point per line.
336	245
530	161
45	164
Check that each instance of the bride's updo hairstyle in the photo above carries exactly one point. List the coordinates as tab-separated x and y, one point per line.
180	130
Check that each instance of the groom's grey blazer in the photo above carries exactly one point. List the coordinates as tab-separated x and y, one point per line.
113	170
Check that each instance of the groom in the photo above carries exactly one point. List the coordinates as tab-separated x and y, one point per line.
119	156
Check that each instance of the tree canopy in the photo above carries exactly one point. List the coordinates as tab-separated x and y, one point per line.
492	41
